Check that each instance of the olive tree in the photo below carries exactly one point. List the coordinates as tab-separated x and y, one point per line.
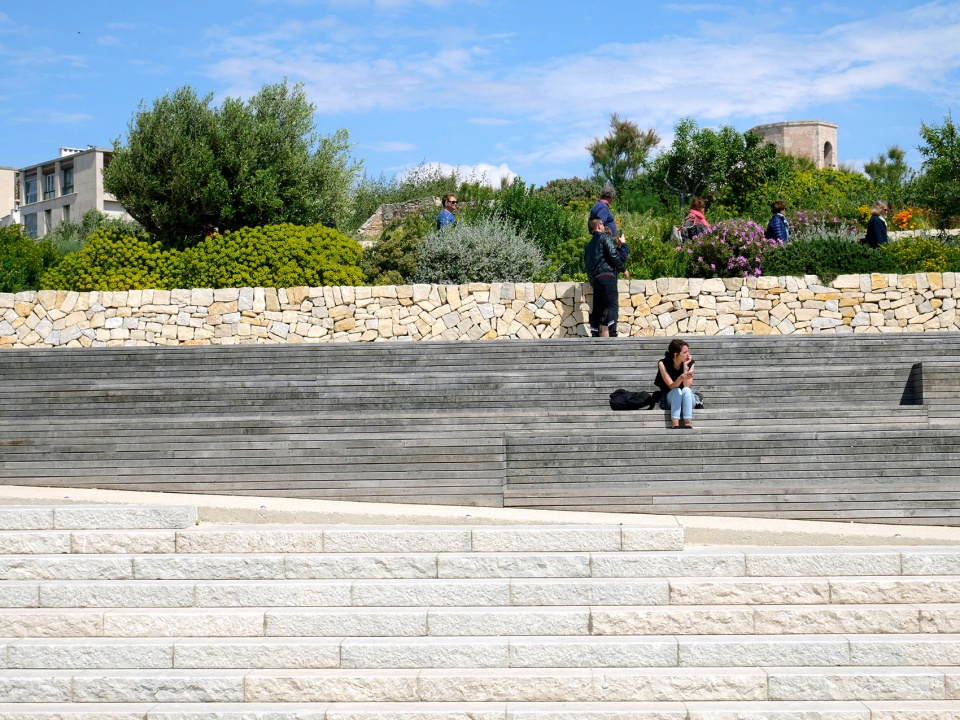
189	166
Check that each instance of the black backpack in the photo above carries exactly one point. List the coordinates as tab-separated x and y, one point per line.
624	400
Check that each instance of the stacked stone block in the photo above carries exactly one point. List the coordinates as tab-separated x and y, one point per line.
673	306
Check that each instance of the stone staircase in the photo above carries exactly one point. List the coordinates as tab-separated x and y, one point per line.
116	613
863	427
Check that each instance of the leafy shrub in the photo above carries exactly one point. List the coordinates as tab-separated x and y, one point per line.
68	236
537	216
826	257
652	258
836	192
568	190
393	259
565	263
113	260
732	248
23	260
818	225
921	254
423	181
273	256
490	251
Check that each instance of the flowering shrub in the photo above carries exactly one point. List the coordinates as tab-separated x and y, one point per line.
813	225
911	219
902	219
283	255
922	254
269	256
732	248
114	260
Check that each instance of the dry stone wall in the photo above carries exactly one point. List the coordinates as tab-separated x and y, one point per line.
666	307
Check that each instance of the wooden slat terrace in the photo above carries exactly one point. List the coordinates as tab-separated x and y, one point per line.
862	427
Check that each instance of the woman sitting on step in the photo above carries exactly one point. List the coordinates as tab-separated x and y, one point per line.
675	380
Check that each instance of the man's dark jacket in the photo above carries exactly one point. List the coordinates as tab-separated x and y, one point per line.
603	257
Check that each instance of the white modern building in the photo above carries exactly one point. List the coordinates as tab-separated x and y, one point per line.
42	196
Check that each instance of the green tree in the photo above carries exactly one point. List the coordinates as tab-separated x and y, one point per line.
938	188
722	165
621	154
188	166
889	173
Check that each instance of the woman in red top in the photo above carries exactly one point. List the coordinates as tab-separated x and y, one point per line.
696	217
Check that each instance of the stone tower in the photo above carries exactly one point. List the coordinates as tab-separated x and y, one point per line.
811	139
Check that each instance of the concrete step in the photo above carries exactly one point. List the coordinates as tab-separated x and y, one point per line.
132	620
728	710
343	593
504	591
783	684
95	517
301	539
760	562
530	651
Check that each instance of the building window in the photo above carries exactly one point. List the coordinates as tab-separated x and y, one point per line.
66	213
47	221
66	183
49	186
30	190
30	224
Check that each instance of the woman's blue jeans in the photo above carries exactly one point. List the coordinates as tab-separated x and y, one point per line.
680	399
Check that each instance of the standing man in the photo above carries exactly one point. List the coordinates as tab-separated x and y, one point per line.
601	209
446	217
604	258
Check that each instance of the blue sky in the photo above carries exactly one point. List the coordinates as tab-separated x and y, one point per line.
516	87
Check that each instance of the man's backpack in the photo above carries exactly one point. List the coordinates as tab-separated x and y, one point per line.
624	400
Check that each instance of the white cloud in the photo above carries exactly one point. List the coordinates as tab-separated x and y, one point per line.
54	117
708	76
488	121
715	73
483	173
391	146
109	41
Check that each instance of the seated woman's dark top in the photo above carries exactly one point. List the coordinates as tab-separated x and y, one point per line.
673	372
